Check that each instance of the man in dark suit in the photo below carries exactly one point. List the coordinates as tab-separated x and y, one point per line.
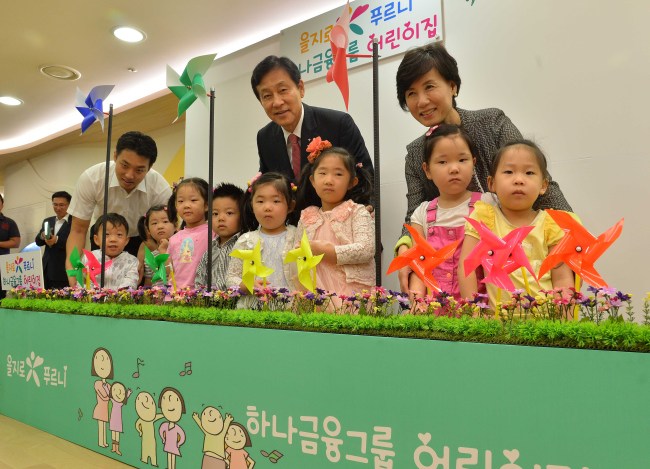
277	85
53	235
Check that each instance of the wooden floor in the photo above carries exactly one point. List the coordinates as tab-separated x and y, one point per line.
25	447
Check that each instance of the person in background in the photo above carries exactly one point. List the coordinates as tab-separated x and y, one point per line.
9	236
277	85
133	188
54	235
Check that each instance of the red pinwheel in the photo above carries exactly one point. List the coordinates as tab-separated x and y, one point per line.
499	257
579	249
422	258
338	72
94	267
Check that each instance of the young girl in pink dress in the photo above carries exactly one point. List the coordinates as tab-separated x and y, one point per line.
186	247
335	192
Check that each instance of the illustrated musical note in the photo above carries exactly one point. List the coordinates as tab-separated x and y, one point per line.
274	456
188	369
80	414
138	363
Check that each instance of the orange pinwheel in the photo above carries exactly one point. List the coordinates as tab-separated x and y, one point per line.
579	249
423	258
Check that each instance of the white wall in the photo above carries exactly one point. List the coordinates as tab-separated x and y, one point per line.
571	75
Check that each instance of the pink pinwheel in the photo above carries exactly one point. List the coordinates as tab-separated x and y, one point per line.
422	258
94	267
91	107
499	257
579	249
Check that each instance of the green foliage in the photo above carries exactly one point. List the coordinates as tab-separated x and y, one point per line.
610	334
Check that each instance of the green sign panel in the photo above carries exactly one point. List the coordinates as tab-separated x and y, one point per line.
188	396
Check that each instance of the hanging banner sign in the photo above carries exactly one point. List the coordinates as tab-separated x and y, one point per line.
397	26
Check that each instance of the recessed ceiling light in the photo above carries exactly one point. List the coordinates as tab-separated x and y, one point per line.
60	72
10	101
127	34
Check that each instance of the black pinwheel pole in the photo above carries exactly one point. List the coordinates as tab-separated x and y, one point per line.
210	189
377	179
106	178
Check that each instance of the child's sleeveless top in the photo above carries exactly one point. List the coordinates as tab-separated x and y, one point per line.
438	237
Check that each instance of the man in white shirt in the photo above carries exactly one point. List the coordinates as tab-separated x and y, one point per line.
133	187
54	236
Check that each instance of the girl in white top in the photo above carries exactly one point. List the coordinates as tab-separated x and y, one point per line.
271	199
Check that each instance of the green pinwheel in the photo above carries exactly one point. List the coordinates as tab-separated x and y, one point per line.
253	266
157	265
78	267
306	263
189	85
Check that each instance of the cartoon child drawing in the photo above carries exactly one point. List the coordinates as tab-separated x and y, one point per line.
187	249
237	439
119	395
102	367
214	431
145	407
173	407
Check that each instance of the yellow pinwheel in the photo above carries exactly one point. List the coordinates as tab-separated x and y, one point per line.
306	263
253	266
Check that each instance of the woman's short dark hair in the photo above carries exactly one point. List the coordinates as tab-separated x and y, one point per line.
270	63
421	60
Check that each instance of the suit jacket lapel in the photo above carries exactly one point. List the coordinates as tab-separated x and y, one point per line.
307	132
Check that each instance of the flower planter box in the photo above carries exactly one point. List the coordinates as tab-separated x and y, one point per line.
333	400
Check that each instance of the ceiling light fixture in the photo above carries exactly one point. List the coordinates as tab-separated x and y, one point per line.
10	101
60	72
128	34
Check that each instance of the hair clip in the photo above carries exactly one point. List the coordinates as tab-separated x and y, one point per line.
294	188
253	180
315	147
359	165
144	216
175	184
431	130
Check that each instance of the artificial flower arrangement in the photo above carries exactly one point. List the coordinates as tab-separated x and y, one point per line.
606	316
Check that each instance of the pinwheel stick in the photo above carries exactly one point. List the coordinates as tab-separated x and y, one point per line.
576	308
498	304
526	284
106	179
172	276
210	187
376	159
